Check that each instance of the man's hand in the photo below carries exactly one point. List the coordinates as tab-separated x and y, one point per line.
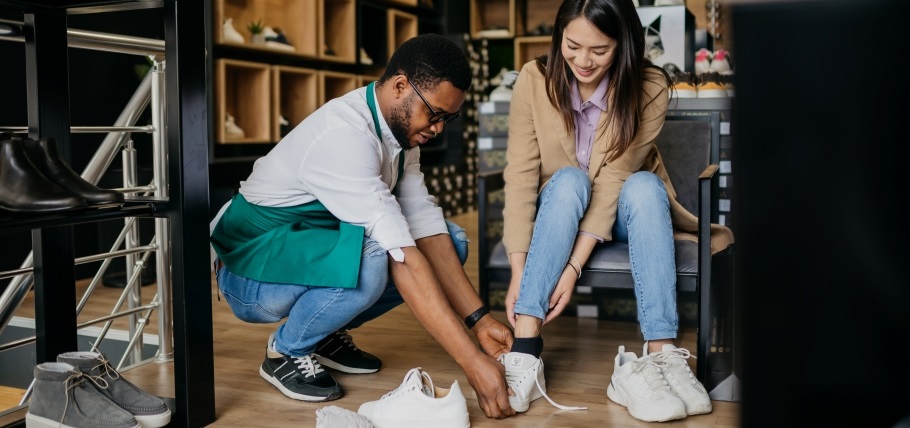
494	337
488	378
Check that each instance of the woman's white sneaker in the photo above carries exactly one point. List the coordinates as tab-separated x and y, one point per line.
639	385
681	379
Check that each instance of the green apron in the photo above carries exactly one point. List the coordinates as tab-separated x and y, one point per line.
304	244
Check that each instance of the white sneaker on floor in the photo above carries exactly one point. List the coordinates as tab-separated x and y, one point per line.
524	374
639	385
681	379
418	403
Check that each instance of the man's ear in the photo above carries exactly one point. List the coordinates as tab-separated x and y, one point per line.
399	84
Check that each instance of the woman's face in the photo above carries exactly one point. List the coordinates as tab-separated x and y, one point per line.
587	51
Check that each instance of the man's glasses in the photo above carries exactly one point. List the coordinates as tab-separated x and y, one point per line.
436	116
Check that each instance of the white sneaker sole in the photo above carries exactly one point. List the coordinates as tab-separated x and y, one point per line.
619	396
461	421
154	421
35	421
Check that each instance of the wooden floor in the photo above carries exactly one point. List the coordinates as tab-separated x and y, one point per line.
578	355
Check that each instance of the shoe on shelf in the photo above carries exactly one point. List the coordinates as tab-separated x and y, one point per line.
276	39
640	386
149	410
684	86
721	62
231	129
681	379
711	85
62	396
418	403
337	351
230	34
703	61
524	374
300	378
364	57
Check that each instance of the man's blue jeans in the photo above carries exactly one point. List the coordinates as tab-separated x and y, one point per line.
315	312
642	220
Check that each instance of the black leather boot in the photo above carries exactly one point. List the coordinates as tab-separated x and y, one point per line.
23	188
46	156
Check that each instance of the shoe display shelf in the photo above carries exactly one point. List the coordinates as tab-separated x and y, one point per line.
382	30
294	96
530	47
333	84
242	91
298	19
186	205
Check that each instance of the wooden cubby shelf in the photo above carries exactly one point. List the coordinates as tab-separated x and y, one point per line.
338	38
401	27
334	84
297	19
493	19
243	90
528	48
295	95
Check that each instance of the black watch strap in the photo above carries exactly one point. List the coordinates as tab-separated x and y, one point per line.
475	316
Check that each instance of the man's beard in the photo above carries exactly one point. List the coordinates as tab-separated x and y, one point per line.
400	123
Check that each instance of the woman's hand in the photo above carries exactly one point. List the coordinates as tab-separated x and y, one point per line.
562	294
512	298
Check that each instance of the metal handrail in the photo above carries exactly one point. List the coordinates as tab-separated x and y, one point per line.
151	90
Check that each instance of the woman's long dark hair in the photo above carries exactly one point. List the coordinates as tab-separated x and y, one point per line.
619	20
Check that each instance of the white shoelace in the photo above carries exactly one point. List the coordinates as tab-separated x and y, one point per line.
650	368
514	380
308	365
679	367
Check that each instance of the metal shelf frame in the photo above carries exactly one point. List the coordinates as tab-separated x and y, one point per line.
186	207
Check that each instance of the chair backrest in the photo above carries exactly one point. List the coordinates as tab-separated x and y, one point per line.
685	145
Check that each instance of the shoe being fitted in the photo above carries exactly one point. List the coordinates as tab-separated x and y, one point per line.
418	403
62	396
640	386
337	351
149	410
300	378
681	379
524	374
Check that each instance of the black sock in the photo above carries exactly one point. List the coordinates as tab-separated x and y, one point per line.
528	345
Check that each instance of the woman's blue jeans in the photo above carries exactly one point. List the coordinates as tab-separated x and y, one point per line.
315	312
642	220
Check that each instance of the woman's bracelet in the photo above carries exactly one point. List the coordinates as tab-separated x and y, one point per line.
576	267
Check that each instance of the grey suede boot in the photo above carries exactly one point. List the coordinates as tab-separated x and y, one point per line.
65	397
151	411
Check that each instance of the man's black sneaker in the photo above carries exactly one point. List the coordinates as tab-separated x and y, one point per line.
337	351
300	378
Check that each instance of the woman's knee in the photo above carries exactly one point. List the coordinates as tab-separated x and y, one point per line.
568	185
643	187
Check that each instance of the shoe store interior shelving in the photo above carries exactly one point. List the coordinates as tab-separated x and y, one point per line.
45	35
517	31
312	51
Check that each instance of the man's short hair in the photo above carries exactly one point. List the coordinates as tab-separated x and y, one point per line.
428	60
